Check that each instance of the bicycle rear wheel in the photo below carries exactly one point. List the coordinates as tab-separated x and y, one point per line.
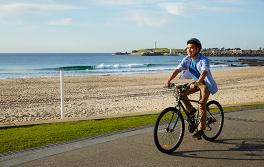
214	120
169	130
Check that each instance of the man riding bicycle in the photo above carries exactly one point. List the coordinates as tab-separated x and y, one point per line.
196	66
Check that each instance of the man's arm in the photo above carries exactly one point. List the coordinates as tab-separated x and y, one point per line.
205	66
174	74
202	77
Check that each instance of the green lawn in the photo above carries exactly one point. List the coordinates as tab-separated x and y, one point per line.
18	138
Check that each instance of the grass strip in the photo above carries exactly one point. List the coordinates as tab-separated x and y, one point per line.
19	138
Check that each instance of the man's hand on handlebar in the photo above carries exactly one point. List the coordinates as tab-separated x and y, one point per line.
169	85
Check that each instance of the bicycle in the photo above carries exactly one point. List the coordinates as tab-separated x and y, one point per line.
170	126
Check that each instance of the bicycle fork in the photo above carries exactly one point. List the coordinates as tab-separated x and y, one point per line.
168	129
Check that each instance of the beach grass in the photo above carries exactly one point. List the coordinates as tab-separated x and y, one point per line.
19	138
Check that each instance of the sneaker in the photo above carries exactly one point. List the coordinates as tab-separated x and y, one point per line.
198	134
191	128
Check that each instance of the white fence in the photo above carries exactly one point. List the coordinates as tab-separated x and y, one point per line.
62	93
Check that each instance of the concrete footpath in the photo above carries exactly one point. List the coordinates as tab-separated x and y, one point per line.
241	143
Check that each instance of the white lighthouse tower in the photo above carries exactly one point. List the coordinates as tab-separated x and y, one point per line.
155	44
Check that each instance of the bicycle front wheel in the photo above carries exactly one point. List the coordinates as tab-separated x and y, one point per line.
214	120
169	130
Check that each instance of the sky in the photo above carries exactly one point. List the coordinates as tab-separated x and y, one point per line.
105	26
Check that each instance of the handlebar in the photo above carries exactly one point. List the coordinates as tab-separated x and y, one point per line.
181	88
178	89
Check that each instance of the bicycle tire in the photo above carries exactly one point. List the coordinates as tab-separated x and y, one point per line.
215	117
169	125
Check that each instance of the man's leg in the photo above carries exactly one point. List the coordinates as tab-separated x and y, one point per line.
204	95
186	101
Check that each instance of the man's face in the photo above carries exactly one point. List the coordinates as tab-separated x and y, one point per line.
192	50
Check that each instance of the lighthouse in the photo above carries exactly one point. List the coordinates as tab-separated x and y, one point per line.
155	44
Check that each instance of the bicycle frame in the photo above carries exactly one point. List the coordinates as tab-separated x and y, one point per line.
179	104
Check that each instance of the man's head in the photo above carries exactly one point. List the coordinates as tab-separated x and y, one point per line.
194	46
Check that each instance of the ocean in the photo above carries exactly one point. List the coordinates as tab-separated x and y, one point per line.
32	65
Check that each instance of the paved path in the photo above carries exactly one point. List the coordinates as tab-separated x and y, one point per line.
240	144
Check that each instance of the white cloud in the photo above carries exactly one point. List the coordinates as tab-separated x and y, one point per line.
127	2
61	22
214	8
183	8
25	13
174	8
17	8
117	2
232	1
157	13
148	19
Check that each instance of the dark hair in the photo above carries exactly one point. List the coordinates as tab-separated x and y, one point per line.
195	41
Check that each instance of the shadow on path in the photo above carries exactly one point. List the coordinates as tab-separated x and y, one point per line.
233	149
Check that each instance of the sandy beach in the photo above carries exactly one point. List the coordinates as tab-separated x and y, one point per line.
114	95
